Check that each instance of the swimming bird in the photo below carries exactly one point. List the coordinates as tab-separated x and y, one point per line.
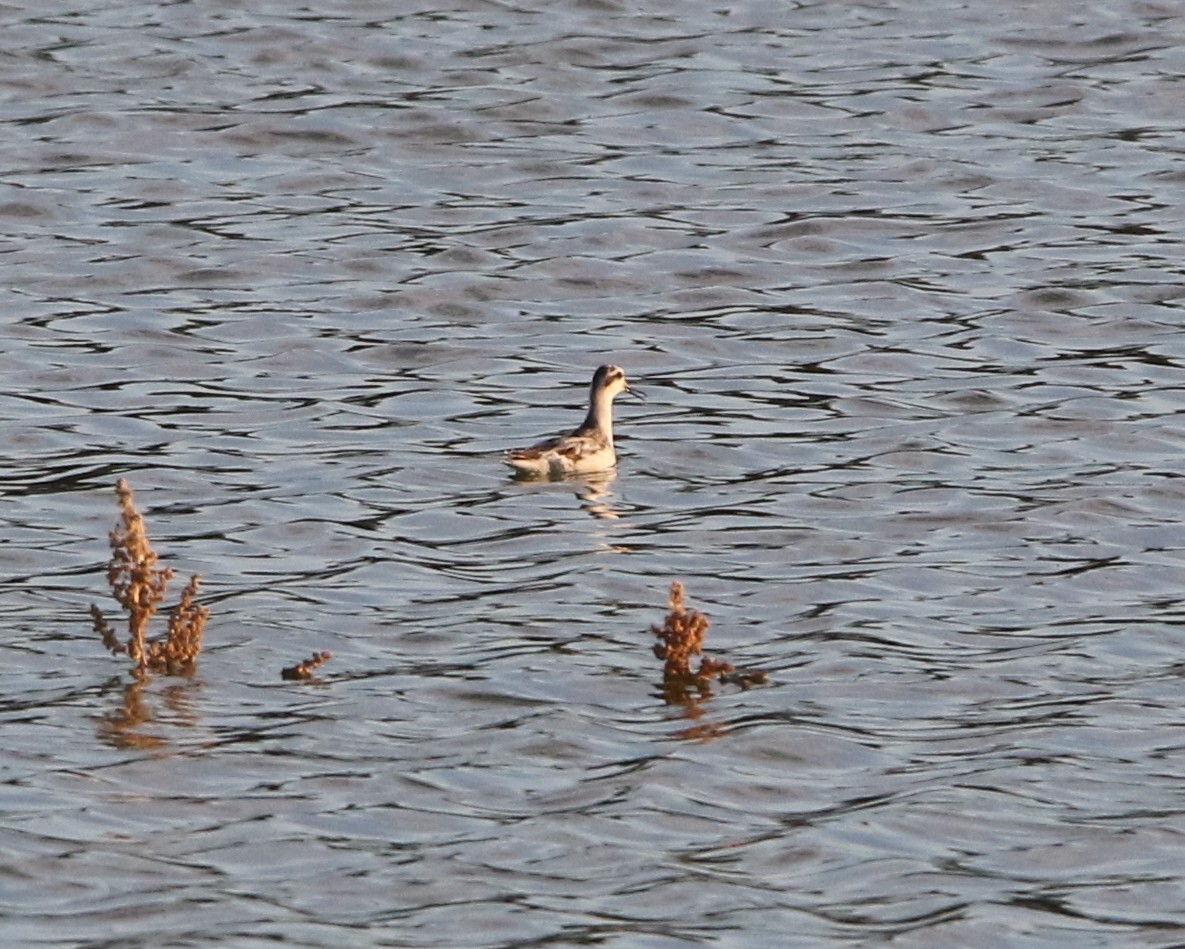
587	448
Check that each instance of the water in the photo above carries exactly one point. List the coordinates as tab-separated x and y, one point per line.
905	294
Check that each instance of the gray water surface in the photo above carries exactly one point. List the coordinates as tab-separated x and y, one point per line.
903	286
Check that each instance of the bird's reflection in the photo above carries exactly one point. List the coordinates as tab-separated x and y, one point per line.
592	490
595	496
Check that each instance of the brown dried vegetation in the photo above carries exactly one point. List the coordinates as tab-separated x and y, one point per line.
138	584
304	670
680	639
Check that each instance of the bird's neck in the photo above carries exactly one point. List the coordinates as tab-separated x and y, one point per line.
600	415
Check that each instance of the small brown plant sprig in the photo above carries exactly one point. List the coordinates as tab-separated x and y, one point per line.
138	584
304	670
680	639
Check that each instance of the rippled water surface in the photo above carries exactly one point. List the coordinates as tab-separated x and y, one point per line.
903	286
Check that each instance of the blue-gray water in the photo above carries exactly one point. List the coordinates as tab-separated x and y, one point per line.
903	285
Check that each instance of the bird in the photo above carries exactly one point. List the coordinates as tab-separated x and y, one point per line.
587	448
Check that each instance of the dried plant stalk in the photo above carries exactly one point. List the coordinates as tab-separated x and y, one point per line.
304	670
103	628
181	646
138	584
680	639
